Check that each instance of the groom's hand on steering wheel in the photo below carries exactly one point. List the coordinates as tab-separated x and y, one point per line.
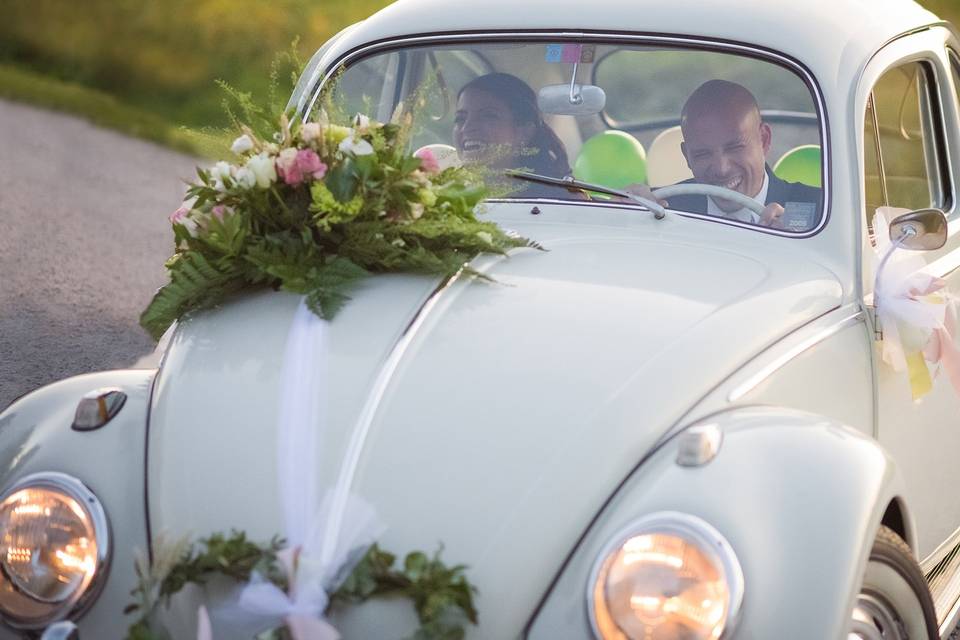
772	216
644	191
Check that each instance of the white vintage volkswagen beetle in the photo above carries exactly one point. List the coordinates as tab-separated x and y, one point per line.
673	426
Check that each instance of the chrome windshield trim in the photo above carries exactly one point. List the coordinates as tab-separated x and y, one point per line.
777	363
613	37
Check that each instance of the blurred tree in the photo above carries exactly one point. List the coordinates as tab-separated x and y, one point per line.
164	56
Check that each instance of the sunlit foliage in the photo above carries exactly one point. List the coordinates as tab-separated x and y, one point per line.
164	56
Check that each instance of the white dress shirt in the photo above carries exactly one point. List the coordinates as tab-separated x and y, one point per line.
744	214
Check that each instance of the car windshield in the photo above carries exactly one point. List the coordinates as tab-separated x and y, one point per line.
730	134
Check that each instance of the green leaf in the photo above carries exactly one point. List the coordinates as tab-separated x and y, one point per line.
328	286
414	565
342	181
194	284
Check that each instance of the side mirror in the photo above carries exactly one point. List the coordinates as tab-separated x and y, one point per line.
920	230
571	100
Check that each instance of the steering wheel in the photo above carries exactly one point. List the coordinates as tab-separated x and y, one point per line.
710	190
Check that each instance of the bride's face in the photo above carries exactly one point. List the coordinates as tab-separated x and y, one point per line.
484	129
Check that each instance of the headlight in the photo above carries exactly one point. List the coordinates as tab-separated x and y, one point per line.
54	547
668	575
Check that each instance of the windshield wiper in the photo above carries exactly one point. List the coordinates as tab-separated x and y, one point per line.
571	183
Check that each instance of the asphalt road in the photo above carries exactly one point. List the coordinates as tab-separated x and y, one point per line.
83	239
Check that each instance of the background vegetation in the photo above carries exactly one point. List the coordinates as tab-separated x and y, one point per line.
147	68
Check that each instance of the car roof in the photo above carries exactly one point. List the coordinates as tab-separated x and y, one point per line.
822	34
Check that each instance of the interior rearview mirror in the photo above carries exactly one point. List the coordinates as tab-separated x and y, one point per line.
571	100
920	230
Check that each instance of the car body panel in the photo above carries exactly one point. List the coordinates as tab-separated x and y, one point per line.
809	495
634	298
35	436
529	419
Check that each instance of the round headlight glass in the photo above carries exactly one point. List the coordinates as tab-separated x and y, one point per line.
667	576
53	549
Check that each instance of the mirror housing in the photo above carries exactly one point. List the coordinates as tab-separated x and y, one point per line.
920	230
575	100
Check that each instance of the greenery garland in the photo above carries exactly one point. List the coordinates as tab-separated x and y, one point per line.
441	595
317	209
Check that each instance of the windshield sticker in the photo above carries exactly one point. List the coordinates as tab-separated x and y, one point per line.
569	53
799	216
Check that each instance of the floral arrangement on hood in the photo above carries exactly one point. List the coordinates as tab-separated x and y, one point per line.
314	210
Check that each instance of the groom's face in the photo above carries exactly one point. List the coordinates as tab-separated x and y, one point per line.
727	147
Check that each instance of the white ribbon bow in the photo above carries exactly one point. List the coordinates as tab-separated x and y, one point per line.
916	316
313	571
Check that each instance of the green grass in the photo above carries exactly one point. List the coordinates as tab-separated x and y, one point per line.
105	110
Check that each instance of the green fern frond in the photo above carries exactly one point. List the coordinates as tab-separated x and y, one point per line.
329	285
194	284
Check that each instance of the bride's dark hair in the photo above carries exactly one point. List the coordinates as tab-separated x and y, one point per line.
549	156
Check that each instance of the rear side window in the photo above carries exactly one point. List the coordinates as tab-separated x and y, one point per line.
903	145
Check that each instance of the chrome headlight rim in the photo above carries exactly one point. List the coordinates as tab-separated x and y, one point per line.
685	525
77	604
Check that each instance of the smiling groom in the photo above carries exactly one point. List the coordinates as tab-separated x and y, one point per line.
726	144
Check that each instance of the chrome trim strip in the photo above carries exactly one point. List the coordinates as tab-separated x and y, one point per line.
765	372
950	622
942	550
78	603
358	437
752	51
684	525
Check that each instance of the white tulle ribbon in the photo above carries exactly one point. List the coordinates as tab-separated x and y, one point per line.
915	314
313	571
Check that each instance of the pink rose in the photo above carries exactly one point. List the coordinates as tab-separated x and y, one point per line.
428	161
288	168
181	217
219	211
309	164
178	216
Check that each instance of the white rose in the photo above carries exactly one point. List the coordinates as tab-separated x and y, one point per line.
221	170
311	131
361	122
219	173
262	167
357	147
190	225
242	144
246	178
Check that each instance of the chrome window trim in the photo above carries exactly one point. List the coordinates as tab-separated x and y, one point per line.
613	37
76	605
690	527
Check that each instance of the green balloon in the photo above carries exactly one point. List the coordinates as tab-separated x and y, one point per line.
612	159
800	165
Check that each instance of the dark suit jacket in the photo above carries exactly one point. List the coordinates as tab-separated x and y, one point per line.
779	191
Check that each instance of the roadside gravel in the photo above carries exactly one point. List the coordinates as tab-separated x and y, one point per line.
83	239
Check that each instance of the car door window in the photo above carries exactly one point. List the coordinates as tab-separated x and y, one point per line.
903	159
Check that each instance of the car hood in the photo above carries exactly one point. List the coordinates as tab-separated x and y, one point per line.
517	407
